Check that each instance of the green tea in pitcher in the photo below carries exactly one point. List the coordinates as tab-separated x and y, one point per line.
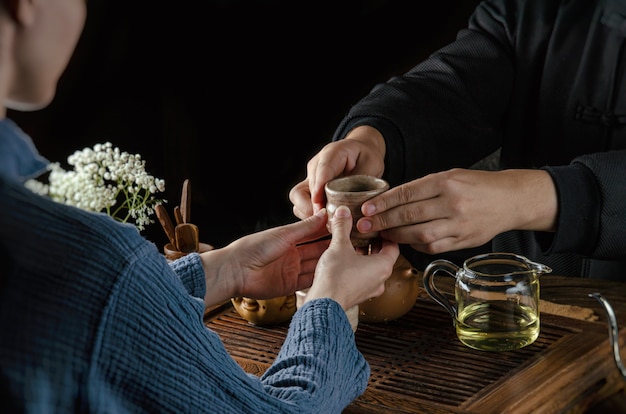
497	326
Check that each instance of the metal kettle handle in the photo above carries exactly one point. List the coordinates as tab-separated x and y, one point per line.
613	331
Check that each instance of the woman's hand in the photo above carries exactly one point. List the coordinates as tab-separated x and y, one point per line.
267	264
347	276
361	152
461	208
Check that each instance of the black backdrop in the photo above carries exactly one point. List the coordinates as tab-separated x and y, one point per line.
234	95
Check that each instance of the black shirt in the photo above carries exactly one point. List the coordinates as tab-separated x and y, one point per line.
543	82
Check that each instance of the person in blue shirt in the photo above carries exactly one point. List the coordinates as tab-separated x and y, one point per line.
94	319
510	138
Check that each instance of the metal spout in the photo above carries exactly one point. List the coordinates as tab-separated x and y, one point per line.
613	331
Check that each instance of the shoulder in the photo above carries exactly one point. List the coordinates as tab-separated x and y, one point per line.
532	28
530	16
51	231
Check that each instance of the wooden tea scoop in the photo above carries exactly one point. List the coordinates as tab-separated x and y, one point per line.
185	202
166	223
187	238
178	215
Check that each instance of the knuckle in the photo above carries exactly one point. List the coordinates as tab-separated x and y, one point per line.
425	240
433	249
427	236
412	215
381	222
405	194
455	205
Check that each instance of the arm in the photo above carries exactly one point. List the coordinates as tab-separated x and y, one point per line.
319	368
454	100
462	208
447	111
592	216
496	86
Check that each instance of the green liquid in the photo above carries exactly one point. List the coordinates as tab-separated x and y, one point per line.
497	326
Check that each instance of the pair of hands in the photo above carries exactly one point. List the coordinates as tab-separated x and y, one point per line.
296	256
437	213
440	212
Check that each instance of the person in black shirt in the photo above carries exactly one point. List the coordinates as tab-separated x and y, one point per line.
538	88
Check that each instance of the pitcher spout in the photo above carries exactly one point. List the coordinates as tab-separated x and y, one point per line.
539	268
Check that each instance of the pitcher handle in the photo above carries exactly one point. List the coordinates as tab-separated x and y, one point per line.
613	331
433	268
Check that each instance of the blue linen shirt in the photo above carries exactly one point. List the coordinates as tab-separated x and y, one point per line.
94	319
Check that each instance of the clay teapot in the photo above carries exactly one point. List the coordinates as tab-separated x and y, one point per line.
401	291
258	312
266	312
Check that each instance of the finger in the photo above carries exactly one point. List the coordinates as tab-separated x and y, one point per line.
414	191
341	226
329	164
389	249
299	213
313	250
422	233
303	231
405	215
439	246
318	227
300	197
316	186
448	244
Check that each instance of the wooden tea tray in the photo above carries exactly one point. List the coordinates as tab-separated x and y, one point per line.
419	366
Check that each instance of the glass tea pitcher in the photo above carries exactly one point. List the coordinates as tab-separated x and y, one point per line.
496	306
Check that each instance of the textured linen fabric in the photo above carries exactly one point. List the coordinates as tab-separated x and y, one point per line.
94	319
544	81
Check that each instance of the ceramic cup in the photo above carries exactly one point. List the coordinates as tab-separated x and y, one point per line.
352	191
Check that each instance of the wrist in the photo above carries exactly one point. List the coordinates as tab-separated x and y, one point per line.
536	199
220	277
369	136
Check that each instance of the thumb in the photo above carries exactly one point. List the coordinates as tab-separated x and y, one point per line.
341	226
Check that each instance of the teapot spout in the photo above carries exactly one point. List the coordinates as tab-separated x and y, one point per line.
613	331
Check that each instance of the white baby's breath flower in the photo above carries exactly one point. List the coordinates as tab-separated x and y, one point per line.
37	187
105	179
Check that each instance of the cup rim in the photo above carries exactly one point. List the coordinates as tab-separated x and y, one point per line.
377	184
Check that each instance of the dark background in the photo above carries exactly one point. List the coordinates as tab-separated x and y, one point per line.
234	95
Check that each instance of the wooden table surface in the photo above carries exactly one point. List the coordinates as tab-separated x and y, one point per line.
419	366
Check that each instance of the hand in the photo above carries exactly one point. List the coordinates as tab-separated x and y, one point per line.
361	152
460	208
267	264
347	276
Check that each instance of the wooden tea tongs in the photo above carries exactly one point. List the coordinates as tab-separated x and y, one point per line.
184	237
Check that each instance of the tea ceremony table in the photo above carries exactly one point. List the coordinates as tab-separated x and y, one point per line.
419	366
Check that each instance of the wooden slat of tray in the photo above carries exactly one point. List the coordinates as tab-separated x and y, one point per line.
418	365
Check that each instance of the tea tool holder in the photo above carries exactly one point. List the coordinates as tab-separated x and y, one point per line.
184	237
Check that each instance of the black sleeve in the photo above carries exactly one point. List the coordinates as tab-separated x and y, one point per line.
455	101
592	206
